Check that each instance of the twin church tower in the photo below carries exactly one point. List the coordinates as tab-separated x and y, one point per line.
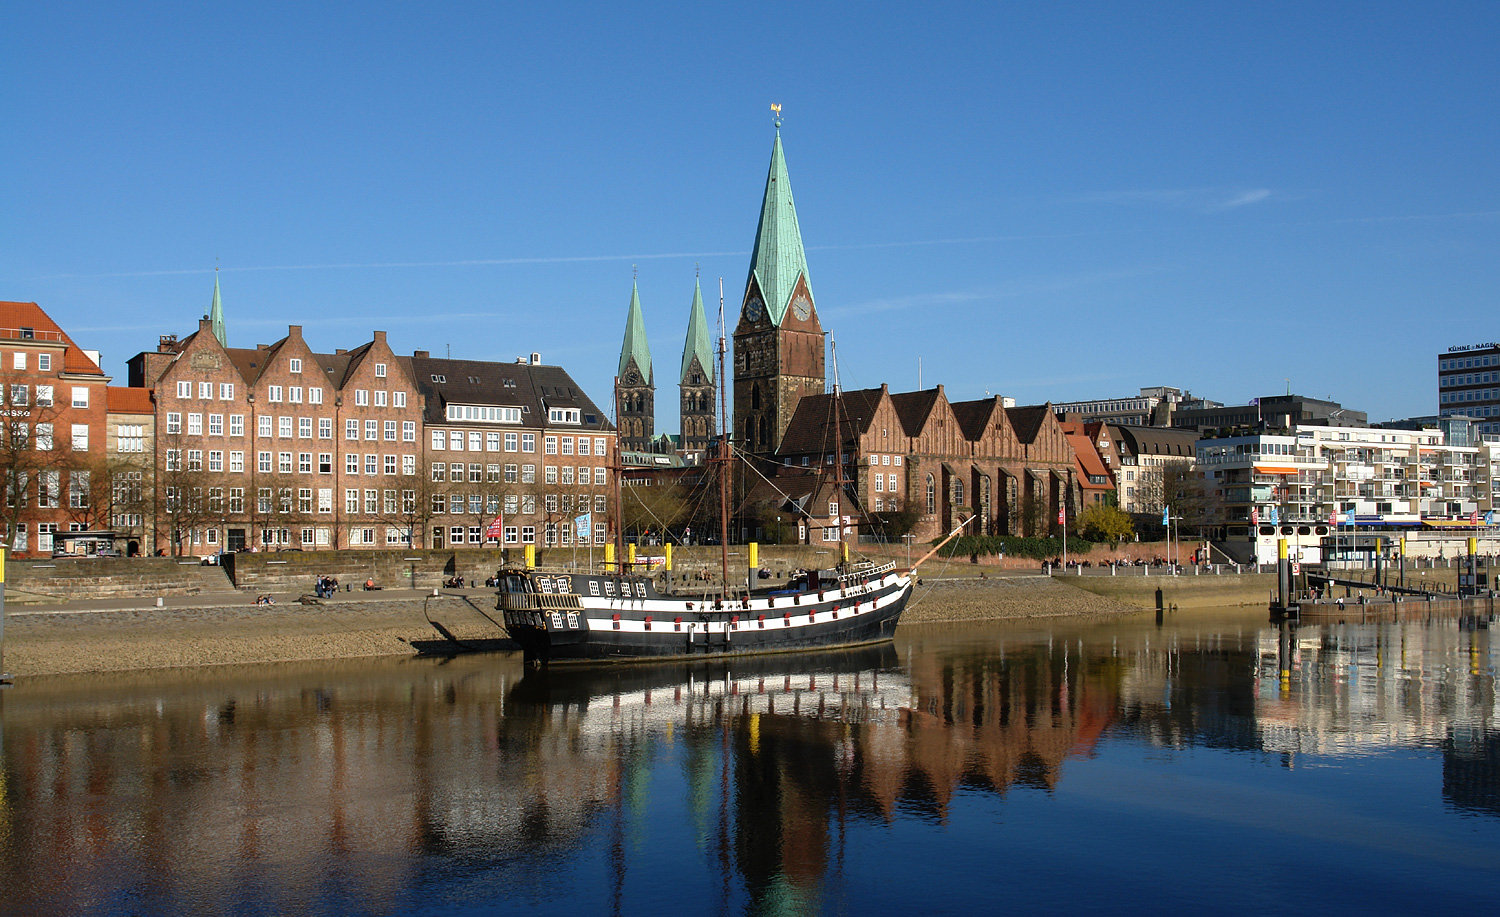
778	344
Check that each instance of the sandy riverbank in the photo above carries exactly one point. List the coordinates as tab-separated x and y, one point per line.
72	641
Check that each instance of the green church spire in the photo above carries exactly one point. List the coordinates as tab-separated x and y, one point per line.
635	339
698	343
778	259
216	312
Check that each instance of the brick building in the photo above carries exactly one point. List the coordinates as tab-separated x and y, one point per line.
778	342
942	461
278	446
52	446
516	440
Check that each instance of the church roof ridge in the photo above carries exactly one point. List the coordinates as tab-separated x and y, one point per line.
634	345
778	258
698	343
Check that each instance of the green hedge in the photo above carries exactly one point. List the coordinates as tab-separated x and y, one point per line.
1034	548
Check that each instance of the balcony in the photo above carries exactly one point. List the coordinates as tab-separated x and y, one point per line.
30	334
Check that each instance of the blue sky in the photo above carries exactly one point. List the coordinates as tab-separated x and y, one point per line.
1047	201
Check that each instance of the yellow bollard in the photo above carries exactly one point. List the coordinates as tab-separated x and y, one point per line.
531	557
754	554
668	552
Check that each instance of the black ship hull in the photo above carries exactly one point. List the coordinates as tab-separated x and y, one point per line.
585	617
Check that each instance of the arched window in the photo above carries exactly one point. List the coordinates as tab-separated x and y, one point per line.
755	397
749	432
931	494
764	436
958	491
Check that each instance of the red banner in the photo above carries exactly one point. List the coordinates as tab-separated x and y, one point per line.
496	529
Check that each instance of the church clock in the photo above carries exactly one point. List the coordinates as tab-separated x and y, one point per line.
802	307
754	309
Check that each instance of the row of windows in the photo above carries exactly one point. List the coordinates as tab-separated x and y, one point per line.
49	490
292	394
43	361
886	460
283	463
477	441
516	504
1468	379
284	427
20	396
1468	362
1482	394
42	440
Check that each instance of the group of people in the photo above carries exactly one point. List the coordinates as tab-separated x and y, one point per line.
325	586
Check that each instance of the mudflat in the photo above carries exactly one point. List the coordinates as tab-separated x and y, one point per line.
232	629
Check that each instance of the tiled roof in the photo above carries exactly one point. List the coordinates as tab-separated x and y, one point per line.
974	416
1084	450
534	388
1027	421
807	432
914	408
20	319
124	400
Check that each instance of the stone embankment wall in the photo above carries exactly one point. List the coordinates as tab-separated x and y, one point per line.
62	579
1184	591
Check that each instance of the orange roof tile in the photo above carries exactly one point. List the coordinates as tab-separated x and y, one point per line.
16	317
125	400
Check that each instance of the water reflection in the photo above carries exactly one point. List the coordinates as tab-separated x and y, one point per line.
747	785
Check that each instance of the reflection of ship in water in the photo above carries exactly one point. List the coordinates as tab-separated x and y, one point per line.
359	783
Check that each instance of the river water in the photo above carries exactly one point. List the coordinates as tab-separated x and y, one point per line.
1212	760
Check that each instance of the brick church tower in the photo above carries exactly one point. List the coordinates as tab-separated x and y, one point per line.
697	380
778	343
635	396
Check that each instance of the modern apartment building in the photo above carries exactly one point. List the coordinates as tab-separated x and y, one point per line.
1153	407
1469	384
1305	483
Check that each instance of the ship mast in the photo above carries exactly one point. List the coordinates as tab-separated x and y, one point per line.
838	450
724	459
619	495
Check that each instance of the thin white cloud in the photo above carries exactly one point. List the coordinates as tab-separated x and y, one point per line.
957	297
1203	200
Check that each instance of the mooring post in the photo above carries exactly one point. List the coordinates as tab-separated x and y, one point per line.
1283	574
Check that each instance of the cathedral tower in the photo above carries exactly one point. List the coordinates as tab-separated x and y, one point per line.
635	396
697	381
778	343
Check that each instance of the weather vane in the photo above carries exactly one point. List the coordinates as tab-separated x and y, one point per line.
776	111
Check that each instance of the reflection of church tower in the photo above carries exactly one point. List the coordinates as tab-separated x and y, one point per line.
697	381
778	344
635	404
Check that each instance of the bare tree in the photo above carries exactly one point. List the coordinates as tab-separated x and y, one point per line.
32	466
183	503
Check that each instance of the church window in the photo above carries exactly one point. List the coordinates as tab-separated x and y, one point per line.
958	492
754	397
931	495
764	437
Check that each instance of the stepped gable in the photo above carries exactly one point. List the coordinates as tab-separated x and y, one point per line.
807	432
17	318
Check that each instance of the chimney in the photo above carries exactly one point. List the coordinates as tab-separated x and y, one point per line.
294	331
421	354
204	324
262	346
339	351
380	337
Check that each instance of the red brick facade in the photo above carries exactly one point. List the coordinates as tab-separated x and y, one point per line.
52	446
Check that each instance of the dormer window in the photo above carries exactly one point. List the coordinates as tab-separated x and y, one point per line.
296	365
564	415
440	380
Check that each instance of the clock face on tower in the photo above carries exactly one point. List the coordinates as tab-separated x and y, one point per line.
802	306
754	309
632	377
